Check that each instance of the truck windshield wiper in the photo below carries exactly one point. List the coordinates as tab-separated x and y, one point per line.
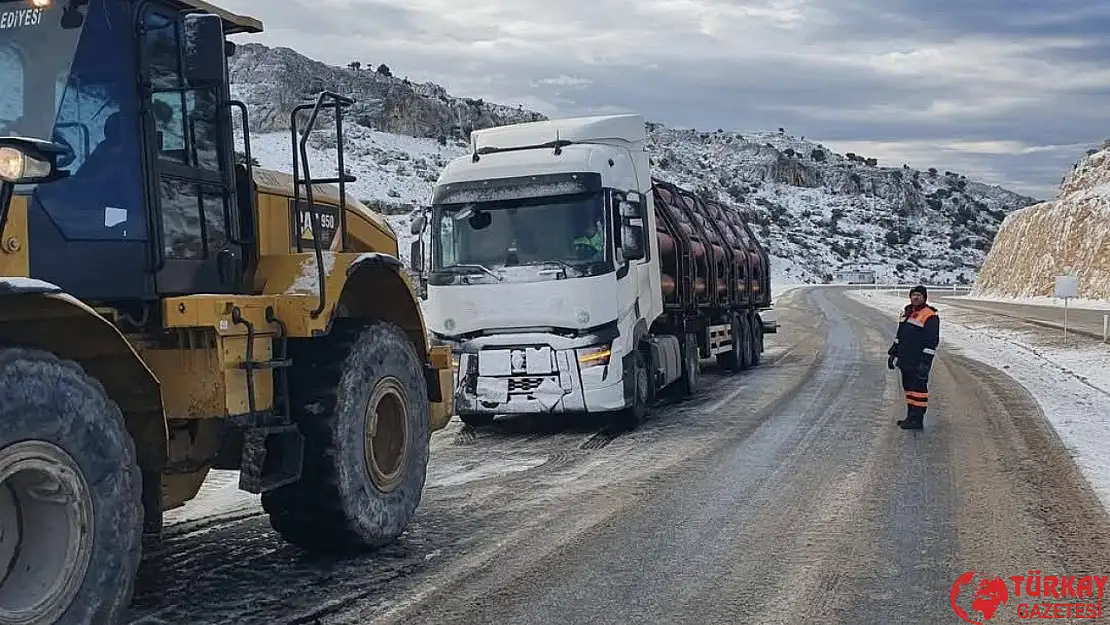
489	271
567	267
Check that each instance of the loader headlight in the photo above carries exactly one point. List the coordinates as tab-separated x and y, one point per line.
28	161
597	356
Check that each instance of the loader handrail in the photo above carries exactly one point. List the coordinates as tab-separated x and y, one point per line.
338	102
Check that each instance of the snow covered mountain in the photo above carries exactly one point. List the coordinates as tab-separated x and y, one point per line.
818	211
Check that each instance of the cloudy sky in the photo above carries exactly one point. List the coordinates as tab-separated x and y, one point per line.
1010	92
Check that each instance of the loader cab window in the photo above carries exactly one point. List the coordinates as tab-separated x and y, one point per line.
186	145
79	85
11	101
185	119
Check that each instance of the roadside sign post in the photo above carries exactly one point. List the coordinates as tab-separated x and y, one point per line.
1067	287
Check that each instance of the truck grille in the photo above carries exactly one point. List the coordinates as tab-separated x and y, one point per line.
524	385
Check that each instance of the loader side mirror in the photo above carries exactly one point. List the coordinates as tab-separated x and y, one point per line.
202	40
418	224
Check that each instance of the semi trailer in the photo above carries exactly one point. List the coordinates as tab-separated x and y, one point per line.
566	277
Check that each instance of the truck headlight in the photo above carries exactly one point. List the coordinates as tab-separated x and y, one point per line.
597	356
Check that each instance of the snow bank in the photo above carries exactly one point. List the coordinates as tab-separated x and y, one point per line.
1070	235
1071	385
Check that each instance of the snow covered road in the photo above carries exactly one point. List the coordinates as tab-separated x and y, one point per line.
783	494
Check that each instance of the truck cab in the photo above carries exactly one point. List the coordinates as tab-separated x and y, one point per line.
540	265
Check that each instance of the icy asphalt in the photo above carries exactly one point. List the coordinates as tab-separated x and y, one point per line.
784	494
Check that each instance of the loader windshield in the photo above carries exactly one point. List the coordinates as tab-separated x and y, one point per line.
68	72
37	48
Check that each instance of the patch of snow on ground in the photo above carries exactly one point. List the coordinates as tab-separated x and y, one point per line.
219	496
1071	384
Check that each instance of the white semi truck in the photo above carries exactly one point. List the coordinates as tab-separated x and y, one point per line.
566	278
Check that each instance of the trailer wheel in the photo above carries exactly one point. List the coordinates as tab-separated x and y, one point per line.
746	344
731	359
70	495
691	365
364	414
757	340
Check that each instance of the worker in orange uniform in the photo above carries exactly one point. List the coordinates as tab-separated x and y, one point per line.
913	350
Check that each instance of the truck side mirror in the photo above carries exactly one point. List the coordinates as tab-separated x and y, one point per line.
631	208
632	239
416	256
202	40
418	224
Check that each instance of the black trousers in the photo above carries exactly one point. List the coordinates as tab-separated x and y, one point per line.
916	389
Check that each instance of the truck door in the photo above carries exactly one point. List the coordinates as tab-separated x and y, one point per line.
189	166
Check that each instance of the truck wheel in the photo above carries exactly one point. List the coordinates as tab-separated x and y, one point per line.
634	415
691	366
70	495
363	410
730	360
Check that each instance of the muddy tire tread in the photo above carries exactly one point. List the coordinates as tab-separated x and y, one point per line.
96	422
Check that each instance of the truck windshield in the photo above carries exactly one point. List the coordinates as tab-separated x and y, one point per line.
566	232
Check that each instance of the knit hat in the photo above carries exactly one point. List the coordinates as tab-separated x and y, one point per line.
920	289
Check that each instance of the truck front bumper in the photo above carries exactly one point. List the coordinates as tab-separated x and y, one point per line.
537	380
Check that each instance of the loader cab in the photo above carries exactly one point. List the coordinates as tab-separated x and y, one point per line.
137	92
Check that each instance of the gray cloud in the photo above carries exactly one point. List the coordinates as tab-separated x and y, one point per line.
1008	91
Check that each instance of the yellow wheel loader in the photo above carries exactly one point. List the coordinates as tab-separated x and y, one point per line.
167	308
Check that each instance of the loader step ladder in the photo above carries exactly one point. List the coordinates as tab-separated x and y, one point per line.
273	447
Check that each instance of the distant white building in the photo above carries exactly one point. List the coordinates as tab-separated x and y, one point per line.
855	276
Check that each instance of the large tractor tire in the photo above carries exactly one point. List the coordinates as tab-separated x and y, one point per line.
70	496
361	401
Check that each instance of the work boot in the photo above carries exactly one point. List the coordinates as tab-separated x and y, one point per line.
909	415
915	420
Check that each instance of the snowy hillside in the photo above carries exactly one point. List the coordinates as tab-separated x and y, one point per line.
817	211
825	210
1070	235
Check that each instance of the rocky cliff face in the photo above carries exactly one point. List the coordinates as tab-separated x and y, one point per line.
1067	236
817	211
273	81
